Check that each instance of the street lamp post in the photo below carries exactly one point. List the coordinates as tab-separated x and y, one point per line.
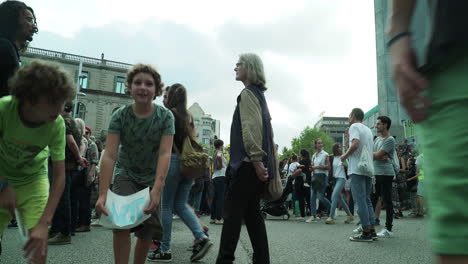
78	87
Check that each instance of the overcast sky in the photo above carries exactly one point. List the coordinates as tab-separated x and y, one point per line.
319	55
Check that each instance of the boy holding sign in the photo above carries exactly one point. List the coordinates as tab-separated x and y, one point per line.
138	152
31	128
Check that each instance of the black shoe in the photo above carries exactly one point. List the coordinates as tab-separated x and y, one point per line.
200	249
13	224
364	237
159	256
374	235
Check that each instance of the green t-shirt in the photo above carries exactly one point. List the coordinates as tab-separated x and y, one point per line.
24	150
139	142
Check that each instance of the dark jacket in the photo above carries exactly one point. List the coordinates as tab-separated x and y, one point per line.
238	153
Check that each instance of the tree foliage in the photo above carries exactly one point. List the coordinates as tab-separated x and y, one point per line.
306	141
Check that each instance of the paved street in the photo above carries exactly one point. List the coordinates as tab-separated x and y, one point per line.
291	242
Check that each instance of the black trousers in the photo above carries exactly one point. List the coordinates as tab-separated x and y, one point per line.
300	193
383	188
242	202
62	221
218	199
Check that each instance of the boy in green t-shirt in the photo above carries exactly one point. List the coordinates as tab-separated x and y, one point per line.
31	129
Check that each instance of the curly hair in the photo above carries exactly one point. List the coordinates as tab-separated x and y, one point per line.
10	12
145	68
41	78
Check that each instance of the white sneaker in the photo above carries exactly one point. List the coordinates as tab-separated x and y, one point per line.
306	185
384	233
312	219
96	222
358	230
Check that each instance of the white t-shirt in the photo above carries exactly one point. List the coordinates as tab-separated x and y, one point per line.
364	135
338	168
293	167
319	159
222	171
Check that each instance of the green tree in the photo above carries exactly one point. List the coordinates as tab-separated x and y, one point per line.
306	141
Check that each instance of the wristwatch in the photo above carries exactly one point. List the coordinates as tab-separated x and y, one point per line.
3	185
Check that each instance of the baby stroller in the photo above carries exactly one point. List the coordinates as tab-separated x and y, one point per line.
275	208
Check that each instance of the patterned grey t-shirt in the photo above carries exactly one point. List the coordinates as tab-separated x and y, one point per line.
139	142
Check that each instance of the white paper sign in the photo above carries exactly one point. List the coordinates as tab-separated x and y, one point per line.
126	212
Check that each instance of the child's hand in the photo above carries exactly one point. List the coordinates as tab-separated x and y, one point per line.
35	248
8	199
154	203
83	162
101	206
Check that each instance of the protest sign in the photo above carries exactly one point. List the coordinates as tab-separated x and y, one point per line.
126	212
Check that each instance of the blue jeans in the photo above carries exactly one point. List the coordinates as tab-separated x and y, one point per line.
321	197
174	199
337	197
361	187
195	200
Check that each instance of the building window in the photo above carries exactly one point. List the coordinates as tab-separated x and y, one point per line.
81	111
120	85
206	132
84	76
206	141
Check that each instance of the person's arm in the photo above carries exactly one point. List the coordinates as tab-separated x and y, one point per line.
94	161
252	125
403	165
36	246
380	155
83	147
354	146
71	143
409	82
165	149
107	168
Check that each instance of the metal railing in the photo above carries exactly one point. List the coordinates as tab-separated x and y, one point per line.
77	58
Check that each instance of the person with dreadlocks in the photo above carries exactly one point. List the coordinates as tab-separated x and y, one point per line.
17	27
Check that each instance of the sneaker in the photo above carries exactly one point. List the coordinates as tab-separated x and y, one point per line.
361	238
300	218
358	230
153	247
330	221
374	235
349	219
175	217
306	185
83	228
96	223
200	249
312	219
159	257
212	221
219	222
59	239
13	224
385	233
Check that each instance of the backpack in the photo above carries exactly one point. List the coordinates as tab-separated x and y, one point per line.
193	159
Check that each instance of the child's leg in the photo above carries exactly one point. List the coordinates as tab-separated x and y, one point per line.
141	251
122	245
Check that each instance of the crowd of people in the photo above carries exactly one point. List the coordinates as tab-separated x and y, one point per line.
324	180
50	165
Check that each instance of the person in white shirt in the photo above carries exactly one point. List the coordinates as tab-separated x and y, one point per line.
320	167
337	171
360	144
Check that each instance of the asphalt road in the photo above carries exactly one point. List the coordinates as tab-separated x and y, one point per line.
291	241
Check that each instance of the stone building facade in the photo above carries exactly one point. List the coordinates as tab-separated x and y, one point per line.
101	85
208	129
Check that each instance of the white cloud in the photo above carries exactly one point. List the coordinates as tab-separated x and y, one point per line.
318	55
